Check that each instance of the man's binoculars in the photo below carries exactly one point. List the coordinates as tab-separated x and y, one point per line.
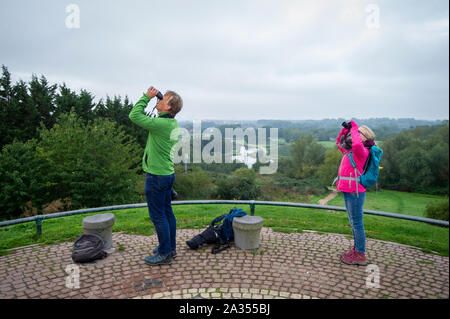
159	96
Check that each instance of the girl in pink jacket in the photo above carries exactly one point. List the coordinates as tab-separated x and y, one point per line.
356	143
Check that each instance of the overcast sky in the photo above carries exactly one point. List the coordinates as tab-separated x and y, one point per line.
242	59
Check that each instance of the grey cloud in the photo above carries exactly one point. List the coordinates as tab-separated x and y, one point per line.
252	59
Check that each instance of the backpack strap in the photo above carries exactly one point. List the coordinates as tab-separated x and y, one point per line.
353	163
366	164
218	248
218	219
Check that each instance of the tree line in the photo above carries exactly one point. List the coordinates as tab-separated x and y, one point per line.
322	130
25	107
59	147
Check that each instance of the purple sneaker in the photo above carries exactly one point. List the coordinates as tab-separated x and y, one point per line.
354	258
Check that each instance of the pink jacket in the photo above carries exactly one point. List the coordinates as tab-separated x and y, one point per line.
360	154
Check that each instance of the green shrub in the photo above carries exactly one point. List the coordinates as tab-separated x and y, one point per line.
329	169
307	155
22	179
196	184
240	185
93	164
438	210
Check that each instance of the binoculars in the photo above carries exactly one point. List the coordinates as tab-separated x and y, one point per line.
347	125
346	140
160	97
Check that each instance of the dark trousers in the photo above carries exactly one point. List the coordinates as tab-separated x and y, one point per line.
158	191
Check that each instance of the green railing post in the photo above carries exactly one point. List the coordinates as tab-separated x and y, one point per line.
39	226
252	208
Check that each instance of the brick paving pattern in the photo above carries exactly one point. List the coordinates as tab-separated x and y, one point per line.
298	265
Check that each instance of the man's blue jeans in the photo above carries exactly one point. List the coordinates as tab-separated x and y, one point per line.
354	204
158	191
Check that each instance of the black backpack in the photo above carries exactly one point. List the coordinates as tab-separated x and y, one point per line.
87	248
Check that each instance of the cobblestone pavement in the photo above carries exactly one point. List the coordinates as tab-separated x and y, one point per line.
298	265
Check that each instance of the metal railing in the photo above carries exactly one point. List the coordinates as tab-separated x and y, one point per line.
39	218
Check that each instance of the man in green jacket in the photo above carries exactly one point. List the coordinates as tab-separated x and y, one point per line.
157	162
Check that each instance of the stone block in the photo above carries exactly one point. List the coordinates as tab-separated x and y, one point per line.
246	231
100	224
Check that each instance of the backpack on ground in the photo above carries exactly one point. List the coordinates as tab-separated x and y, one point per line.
225	230
221	234
208	236
371	170
88	248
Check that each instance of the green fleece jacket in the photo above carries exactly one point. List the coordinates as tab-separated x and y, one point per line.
163	135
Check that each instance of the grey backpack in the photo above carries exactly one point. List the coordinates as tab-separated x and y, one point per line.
87	248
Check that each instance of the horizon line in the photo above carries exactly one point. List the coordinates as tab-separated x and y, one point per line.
322	119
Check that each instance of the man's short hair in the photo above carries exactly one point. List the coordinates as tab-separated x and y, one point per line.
175	101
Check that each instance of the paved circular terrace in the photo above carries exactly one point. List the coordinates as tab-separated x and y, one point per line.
298	265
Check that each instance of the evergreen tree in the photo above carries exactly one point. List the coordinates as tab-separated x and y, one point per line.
117	111
23	115
65	100
5	95
43	96
85	106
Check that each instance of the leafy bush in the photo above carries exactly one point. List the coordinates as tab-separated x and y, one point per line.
307	155
417	160
329	169
196	184
240	185
22	179
93	164
438	210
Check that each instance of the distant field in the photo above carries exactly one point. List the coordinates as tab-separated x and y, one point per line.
284	148
331	144
393	201
328	144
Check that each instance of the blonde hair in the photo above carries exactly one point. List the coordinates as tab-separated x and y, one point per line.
175	102
367	132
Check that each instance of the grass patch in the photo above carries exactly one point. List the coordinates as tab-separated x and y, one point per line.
393	201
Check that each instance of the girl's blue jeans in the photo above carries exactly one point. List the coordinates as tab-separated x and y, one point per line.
354	204
158	191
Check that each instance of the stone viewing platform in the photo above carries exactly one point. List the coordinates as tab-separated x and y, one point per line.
297	265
